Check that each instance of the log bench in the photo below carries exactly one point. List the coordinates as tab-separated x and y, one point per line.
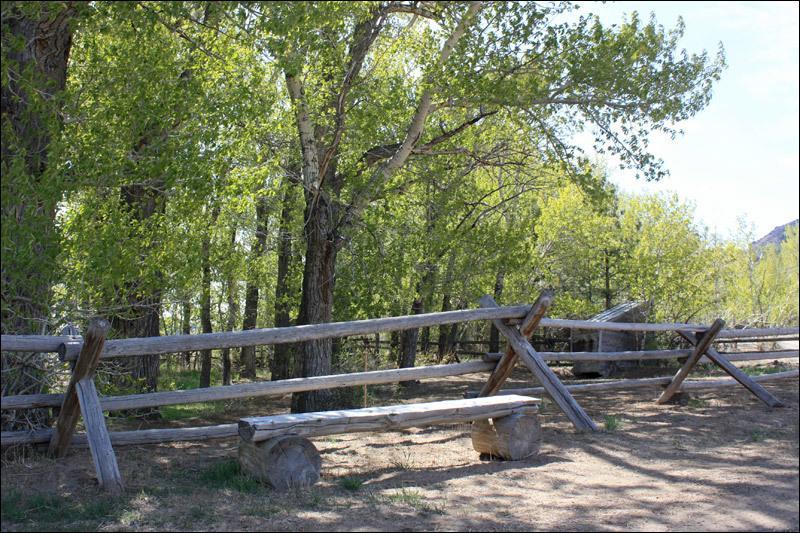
276	449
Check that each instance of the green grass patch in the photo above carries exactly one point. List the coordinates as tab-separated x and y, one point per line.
697	402
415	499
183	411
758	436
45	508
612	423
762	370
351	483
228	475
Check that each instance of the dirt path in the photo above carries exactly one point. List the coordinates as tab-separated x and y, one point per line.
720	461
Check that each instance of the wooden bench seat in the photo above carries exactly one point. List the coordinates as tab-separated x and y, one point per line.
276	449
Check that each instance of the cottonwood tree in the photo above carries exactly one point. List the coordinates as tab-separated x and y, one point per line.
358	73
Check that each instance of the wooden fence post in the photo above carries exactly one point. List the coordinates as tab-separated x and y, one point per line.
735	372
543	373
81	398
700	348
509	359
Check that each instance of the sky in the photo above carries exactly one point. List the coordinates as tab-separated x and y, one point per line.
739	156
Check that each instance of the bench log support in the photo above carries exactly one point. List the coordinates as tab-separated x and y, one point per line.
285	462
511	437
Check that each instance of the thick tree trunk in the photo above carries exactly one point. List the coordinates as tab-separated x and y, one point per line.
316	304
494	335
142	301
250	317
35	53
282	367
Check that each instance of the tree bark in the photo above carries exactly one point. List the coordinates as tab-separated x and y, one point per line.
205	302
142	302
316	304
35	54
250	318
494	335
232	311
410	336
282	364
186	328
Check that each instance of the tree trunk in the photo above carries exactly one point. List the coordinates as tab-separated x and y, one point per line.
250	318
494	335
607	277
232	311
141	301
282	367
205	304
410	336
186	328
316	304
35	53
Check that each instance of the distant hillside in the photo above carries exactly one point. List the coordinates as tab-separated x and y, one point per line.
775	236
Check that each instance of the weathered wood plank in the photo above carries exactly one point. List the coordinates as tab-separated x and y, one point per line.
627	384
700	348
506	364
155	436
84	368
646	355
546	377
134	401
105	462
264	388
255	337
129	438
382	418
760	392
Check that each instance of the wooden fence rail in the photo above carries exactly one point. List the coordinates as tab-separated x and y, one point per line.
87	352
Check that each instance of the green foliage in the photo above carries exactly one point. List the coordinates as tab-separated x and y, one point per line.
351	483
612	423
187	104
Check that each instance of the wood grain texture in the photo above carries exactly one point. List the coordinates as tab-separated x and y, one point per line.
645	355
382	418
700	348
263	388
626	384
511	438
255	337
760	392
105	462
543	373
129	438
286	462
84	368
509	359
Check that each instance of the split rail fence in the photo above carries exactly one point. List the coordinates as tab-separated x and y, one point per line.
515	323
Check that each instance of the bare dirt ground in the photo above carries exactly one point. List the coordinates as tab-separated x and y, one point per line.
719	460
